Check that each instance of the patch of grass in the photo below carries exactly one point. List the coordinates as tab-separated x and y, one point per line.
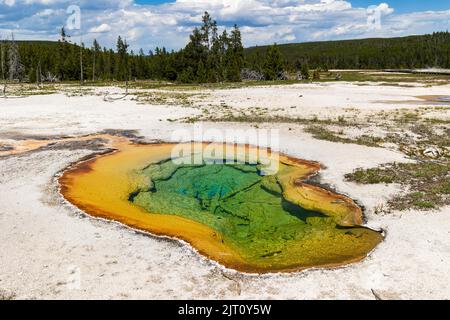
255	115
384	79
27	90
369	141
165	98
443	188
371	176
424	204
428	183
408	117
165	85
322	133
437	121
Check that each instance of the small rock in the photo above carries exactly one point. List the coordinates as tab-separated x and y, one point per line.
432	152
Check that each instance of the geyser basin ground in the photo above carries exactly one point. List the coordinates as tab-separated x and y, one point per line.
235	214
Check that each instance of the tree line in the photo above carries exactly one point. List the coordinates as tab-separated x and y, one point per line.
211	57
208	57
425	51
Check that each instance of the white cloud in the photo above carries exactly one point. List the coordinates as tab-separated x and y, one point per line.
385	9
45	13
104	27
261	21
9	3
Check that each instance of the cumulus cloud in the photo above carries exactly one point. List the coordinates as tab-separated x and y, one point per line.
104	27
169	24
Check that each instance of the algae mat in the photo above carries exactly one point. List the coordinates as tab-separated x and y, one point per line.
232	212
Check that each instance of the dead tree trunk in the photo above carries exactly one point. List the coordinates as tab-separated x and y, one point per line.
15	65
3	68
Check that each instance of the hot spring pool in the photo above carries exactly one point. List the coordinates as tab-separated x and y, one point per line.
234	213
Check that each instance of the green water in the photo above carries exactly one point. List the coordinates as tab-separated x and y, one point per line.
248	209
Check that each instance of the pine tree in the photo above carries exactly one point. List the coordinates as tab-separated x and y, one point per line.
81	64
63	35
223	49
237	47
202	74
110	64
195	52
122	48
233	70
63	51
256	62
214	55
206	30
187	75
274	64
235	56
95	51
123	66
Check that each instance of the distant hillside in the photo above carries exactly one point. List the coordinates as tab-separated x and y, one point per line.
405	52
37	42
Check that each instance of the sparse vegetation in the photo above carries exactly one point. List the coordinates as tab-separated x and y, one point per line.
165	98
423	141
322	133
4	295
426	184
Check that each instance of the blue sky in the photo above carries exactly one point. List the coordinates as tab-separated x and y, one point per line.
402	6
398	5
151	23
